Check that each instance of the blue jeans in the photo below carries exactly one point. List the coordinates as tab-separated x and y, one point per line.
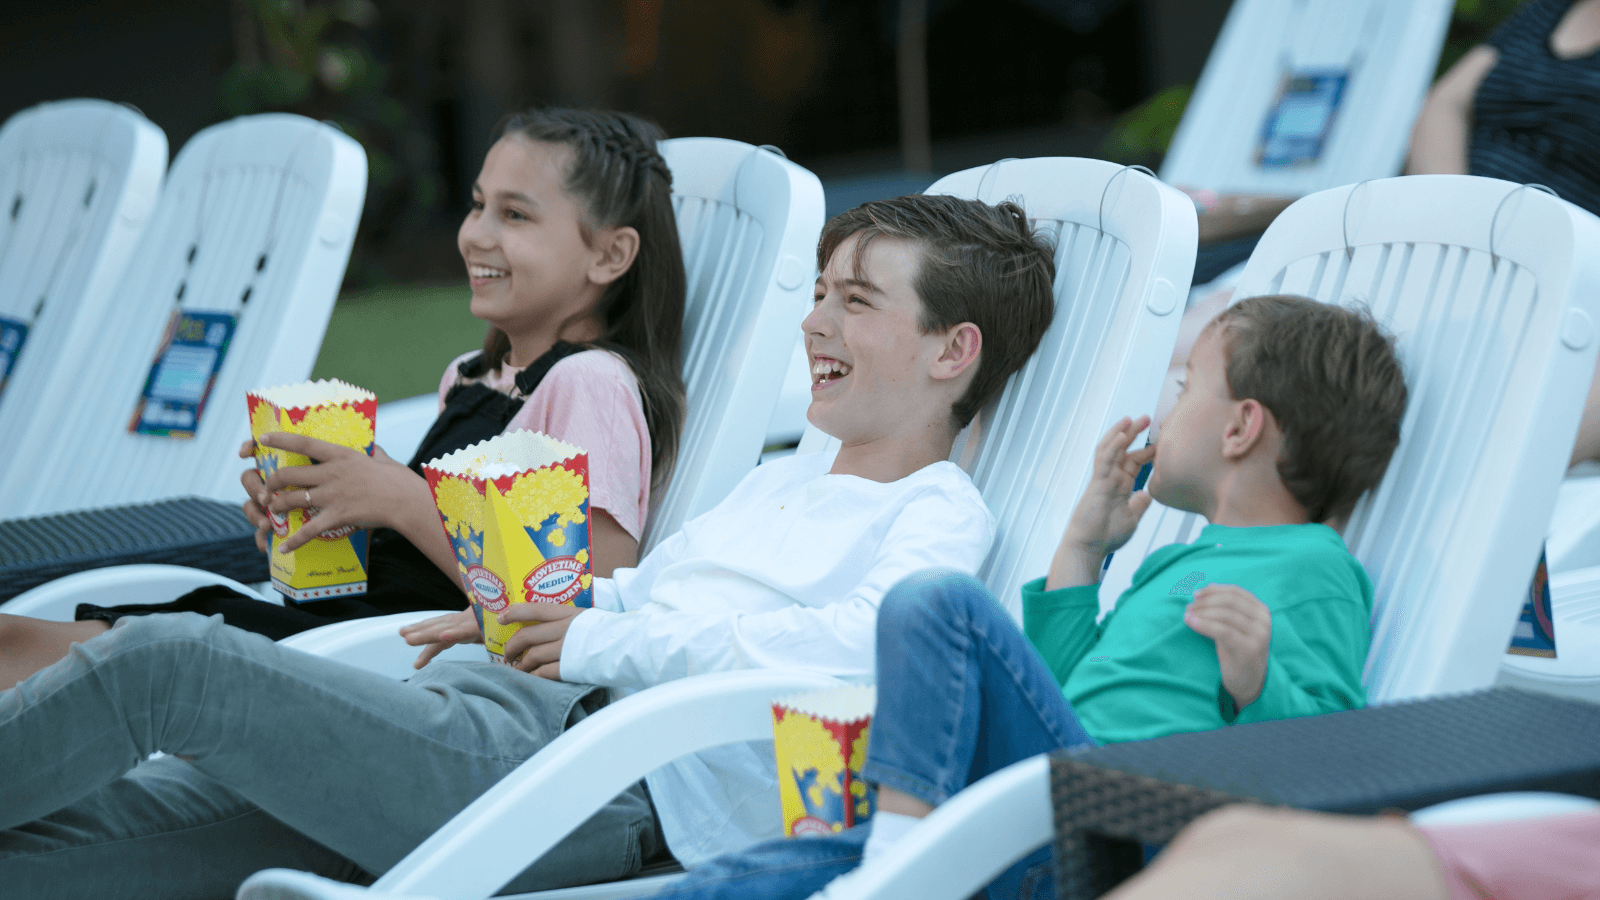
941	637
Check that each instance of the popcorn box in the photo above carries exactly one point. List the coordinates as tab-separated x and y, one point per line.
516	510
335	562
821	744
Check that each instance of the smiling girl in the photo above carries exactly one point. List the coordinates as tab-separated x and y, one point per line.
571	248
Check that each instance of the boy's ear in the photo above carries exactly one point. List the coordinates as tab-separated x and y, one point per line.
615	250
1247	428
962	344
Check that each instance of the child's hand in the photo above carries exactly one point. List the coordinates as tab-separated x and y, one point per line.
344	485
439	633
251	479
1242	627
1109	510
536	647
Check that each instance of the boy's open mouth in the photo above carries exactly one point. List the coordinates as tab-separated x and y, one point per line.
476	272
826	370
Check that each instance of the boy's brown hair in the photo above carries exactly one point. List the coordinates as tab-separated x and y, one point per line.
979	263
1330	377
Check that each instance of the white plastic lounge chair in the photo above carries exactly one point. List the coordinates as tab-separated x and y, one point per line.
1497	335
1575	671
78	180
1124	256
255	222
1289	56
748	220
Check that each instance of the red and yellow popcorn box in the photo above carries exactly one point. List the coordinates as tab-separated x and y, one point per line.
821	744
335	562
516	510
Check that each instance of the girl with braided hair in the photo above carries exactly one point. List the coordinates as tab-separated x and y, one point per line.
571	248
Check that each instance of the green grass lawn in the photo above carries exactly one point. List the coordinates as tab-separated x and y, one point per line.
395	341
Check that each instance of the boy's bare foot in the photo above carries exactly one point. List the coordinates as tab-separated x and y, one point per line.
28	645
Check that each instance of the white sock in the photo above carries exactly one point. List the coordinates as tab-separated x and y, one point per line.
887	830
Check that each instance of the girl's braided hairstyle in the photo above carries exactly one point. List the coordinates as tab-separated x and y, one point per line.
622	180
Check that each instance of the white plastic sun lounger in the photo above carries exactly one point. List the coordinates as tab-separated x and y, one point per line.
1125	251
1302	95
245	251
78	180
749	221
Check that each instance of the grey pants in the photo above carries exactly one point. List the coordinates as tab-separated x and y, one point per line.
296	761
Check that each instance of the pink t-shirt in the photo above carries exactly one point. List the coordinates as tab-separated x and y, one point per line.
590	399
1551	858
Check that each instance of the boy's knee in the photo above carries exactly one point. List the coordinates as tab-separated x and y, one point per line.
942	594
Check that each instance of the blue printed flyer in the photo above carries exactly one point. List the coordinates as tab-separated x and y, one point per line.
1297	127
12	334
183	374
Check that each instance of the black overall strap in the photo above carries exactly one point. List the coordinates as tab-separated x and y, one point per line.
476	412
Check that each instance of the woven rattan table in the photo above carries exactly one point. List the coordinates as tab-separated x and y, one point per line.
188	531
1403	756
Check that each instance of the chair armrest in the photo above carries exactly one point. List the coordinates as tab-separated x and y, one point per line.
582	770
58	600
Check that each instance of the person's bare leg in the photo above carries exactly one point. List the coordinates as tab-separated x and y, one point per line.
28	645
1252	853
891	800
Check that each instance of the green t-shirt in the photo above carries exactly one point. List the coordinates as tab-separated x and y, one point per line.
1142	673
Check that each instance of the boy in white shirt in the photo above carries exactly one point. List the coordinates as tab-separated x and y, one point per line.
924	308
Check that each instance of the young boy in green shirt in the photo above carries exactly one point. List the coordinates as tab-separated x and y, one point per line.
1289	413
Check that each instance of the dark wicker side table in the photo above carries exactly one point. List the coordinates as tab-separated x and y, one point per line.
1401	756
188	531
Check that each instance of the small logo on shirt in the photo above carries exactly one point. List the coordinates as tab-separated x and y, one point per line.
1185	587
1098	658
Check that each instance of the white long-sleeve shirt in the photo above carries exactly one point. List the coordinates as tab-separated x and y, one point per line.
786	572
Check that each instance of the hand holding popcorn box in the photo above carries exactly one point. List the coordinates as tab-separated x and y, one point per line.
516	510
334	563
821	743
